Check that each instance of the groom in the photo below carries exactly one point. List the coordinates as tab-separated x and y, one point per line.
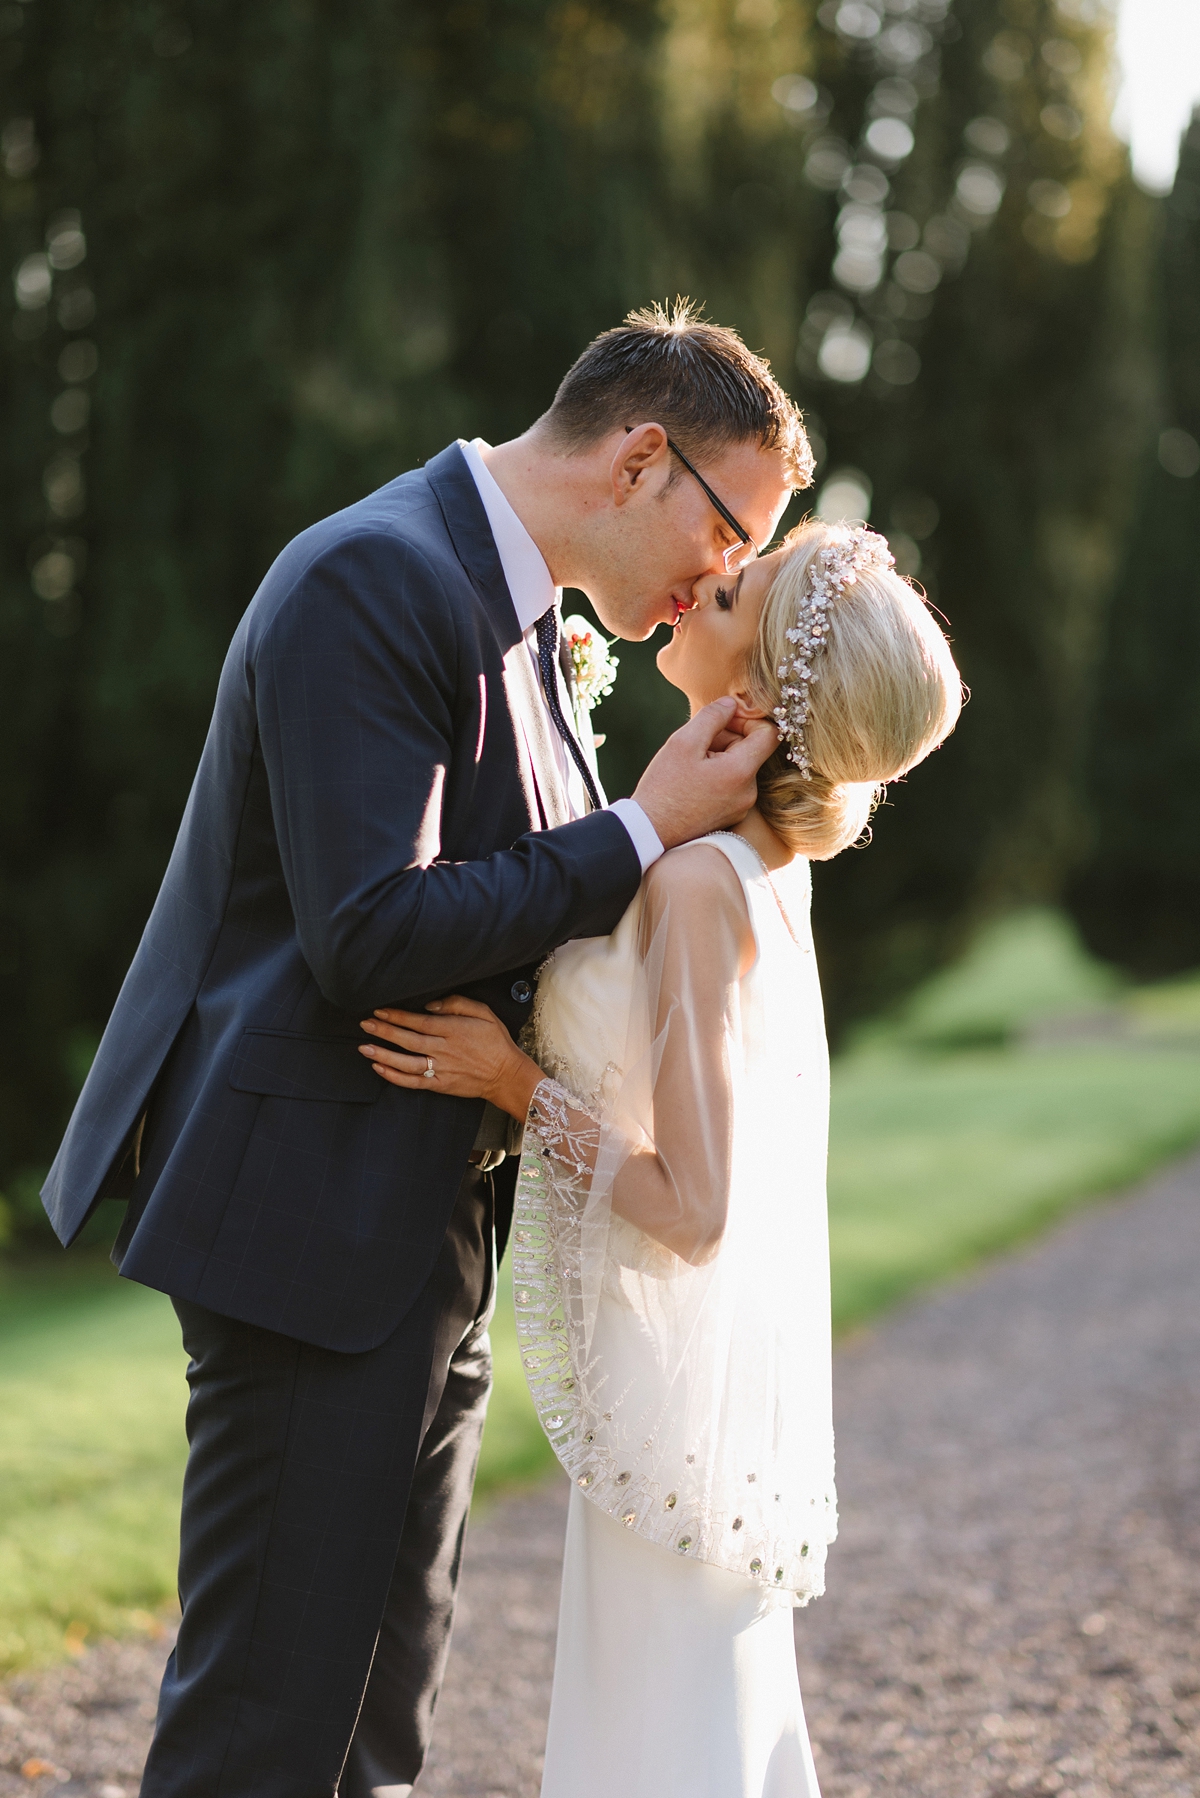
391	805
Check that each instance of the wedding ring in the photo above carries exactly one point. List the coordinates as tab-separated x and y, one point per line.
430	1071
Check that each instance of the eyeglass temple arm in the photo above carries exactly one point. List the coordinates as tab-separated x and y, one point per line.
726	514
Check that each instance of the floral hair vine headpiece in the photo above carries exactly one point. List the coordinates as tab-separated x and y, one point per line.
836	566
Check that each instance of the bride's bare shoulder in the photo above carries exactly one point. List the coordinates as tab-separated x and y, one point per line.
697	887
693	868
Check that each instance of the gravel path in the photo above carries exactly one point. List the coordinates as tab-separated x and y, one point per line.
1012	1603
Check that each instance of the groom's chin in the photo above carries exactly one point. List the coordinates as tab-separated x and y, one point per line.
631	616
639	630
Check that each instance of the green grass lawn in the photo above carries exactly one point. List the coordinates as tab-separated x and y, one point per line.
941	1153
933	1166
91	1455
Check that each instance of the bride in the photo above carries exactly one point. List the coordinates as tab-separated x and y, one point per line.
670	1258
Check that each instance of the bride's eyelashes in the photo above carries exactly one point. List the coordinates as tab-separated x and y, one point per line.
724	602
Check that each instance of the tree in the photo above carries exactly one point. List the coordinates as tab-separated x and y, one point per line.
1137	895
266	257
973	350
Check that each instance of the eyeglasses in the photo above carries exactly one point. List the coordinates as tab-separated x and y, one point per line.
739	555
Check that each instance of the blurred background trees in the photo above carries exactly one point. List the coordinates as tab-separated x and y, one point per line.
1137	894
264	258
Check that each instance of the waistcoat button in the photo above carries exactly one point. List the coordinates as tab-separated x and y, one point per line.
522	992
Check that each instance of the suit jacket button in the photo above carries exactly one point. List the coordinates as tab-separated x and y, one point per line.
522	992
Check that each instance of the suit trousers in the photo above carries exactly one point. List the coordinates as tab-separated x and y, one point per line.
324	1508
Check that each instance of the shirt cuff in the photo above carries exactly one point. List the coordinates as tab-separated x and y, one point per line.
641	831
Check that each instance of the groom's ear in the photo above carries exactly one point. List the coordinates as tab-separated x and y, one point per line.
640	448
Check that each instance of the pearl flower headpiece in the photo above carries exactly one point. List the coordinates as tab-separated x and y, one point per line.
836	566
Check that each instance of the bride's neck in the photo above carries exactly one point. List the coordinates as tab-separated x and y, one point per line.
760	836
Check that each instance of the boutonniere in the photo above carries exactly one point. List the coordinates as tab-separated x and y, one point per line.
594	668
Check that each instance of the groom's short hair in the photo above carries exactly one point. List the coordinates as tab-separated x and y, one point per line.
697	380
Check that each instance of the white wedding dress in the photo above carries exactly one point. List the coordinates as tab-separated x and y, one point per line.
685	1388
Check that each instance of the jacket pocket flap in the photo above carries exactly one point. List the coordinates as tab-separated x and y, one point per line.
287	1065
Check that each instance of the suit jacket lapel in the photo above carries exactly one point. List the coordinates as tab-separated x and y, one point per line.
467	523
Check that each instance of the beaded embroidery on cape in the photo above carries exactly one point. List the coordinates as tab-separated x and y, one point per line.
691	1402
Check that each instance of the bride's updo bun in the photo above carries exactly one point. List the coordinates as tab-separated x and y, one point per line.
886	692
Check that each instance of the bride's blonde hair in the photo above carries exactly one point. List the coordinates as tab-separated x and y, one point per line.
888	692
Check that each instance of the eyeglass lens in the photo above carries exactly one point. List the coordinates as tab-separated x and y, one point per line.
739	556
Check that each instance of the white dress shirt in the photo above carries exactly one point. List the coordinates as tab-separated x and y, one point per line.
533	593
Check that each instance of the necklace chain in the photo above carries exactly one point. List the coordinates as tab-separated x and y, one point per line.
767	875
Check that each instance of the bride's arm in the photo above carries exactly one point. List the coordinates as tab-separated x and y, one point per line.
695	943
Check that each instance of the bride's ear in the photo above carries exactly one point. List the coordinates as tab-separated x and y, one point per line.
748	713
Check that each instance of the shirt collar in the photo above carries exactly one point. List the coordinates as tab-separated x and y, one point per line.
530	583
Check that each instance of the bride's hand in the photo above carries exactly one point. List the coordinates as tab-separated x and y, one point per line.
471	1054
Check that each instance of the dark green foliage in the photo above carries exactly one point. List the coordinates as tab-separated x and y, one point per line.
1021	429
1138	897
321	242
324	240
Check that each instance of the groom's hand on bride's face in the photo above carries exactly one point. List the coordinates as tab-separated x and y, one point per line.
705	777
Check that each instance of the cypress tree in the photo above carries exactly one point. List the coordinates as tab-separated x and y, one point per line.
980	303
264	258
1137	895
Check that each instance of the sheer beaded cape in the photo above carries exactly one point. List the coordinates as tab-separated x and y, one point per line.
687	1389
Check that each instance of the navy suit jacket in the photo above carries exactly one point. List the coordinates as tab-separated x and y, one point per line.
376	819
